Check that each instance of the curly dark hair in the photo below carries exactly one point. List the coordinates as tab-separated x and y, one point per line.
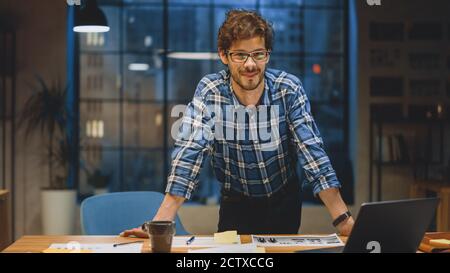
244	24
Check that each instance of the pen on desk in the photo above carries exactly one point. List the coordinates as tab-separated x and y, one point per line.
190	240
127	243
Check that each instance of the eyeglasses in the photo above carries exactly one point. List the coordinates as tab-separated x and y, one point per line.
241	57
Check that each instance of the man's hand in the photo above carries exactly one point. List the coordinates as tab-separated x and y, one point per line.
167	212
345	228
137	232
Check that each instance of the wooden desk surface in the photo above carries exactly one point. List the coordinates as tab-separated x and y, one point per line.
36	244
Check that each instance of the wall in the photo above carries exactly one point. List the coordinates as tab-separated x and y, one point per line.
41	45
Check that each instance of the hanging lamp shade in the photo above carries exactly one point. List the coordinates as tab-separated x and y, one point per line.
90	18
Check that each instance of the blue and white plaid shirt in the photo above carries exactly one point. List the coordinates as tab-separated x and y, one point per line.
243	164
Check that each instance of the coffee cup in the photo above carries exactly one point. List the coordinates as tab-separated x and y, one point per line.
161	235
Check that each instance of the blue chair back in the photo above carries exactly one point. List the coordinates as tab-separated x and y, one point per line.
112	213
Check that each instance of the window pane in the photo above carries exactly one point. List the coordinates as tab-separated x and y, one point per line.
326	3
290	63
330	121
144	29
99	123
112	2
288	27
131	2
99	76
184	76
324	31
190	29
323	79
143	170
95	158
190	2
143	77
278	3
143	125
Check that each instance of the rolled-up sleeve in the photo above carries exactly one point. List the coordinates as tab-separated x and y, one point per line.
310	149
192	145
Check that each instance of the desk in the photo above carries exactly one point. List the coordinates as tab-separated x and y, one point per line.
4	220
39	243
419	190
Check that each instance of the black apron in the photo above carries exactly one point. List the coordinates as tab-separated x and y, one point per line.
278	214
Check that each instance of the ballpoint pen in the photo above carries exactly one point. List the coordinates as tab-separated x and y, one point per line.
190	240
127	243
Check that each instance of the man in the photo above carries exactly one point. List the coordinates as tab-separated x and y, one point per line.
260	187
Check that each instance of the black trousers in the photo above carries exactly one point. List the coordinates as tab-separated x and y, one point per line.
278	214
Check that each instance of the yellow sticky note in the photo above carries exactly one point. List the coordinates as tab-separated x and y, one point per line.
227	237
440	242
260	250
65	250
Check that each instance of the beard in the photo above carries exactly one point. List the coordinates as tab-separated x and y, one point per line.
243	79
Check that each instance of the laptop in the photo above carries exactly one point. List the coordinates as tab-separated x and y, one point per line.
388	227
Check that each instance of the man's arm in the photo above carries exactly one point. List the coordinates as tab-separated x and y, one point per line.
169	207
315	162
336	206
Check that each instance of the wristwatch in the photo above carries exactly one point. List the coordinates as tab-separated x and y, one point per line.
341	218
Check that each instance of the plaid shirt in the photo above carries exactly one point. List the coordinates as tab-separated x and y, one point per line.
242	164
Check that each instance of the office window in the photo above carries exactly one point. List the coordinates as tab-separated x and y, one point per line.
124	103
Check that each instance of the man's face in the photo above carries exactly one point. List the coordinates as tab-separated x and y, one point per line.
249	74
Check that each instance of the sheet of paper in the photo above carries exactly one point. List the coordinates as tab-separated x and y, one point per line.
227	237
242	248
93	248
203	241
65	250
331	240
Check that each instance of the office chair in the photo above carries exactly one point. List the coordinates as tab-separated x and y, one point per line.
112	213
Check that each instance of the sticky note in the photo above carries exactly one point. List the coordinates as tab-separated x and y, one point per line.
440	243
227	237
260	250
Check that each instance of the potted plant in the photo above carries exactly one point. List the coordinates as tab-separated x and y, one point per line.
99	181
45	113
